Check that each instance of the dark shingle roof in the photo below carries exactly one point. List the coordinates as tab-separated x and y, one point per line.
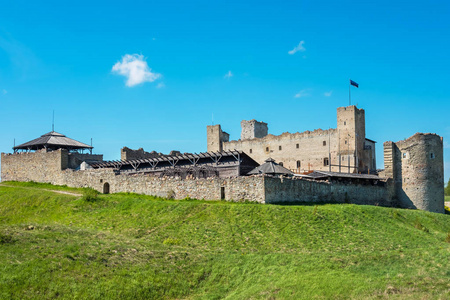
52	140
270	167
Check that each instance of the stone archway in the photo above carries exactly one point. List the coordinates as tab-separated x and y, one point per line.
106	188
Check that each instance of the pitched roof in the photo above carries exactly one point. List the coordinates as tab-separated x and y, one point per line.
52	140
270	167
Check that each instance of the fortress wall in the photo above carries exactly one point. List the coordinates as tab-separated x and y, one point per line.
418	173
47	167
235	189
129	154
300	190
311	150
39	166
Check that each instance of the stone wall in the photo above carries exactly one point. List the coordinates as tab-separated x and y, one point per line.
230	189
49	167
280	190
39	166
417	169
46	167
130	154
308	149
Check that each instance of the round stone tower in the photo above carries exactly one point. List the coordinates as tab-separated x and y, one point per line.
418	172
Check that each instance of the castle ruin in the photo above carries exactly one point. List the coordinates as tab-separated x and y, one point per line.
342	149
334	166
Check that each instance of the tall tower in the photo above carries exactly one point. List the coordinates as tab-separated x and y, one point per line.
417	168
215	138
253	129
351	125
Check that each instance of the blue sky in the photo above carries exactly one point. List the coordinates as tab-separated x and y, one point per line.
190	60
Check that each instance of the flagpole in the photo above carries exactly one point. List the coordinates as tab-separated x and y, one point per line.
349	94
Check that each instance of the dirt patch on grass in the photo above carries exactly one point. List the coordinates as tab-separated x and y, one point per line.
47	190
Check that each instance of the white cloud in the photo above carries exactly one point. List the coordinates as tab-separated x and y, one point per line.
228	75
4	92
160	85
328	94
302	93
299	47
135	69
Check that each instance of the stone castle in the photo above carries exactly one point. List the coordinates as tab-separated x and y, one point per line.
334	166
344	148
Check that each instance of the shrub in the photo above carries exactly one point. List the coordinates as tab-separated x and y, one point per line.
5	239
90	195
171	241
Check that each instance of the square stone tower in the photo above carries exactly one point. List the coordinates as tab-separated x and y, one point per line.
215	138
351	125
253	129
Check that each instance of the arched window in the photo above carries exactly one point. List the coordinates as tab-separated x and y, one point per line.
281	163
298	164
325	161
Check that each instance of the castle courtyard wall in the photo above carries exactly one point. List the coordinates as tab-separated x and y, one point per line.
310	148
282	190
235	188
51	167
39	166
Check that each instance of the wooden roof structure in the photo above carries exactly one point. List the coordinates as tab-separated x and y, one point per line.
52	141
218	160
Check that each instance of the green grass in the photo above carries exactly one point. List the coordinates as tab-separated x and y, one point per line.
140	247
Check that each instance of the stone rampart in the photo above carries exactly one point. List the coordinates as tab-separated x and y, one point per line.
230	189
51	167
280	190
39	166
130	154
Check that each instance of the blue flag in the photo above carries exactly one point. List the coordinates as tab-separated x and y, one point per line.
354	83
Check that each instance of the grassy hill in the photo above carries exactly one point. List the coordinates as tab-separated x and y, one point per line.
131	246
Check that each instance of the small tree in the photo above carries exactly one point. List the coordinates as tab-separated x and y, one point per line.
447	188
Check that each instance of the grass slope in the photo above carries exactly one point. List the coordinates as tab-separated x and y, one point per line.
139	247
